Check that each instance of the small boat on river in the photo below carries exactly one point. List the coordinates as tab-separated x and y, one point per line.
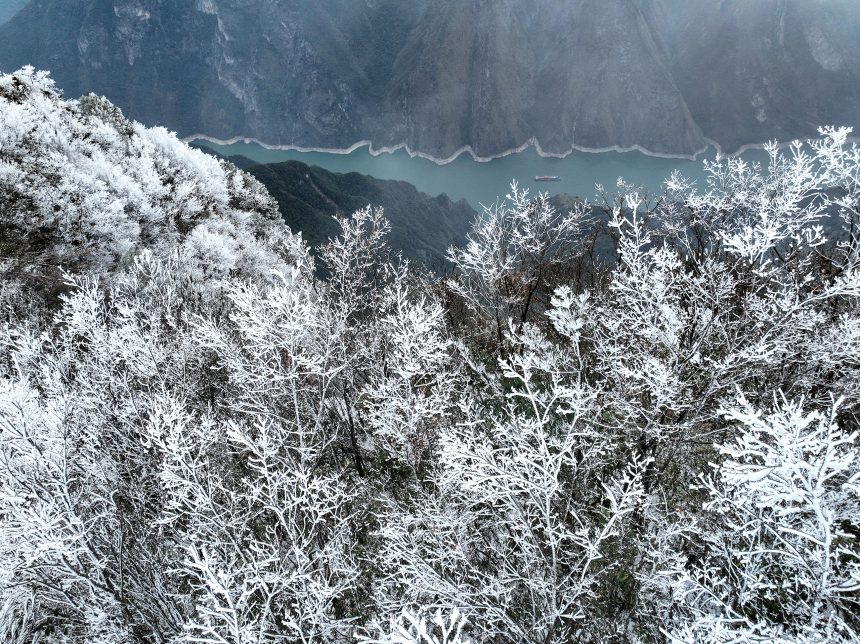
549	177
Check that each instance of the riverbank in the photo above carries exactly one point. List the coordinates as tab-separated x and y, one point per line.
481	182
467	150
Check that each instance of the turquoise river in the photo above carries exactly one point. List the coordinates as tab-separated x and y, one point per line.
480	182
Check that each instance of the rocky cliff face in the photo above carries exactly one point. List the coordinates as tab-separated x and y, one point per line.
494	73
755	70
440	75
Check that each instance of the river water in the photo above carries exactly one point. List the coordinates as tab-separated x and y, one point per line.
482	182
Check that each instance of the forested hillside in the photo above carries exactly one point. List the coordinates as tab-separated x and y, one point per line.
202	441
422	227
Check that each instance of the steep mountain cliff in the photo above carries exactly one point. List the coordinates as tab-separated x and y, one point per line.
752	71
492	75
423	228
441	75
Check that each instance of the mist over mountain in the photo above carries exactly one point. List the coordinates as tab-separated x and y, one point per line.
9	8
438	75
753	71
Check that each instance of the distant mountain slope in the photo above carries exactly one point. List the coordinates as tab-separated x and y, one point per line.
438	75
494	75
754	71
422	227
9	8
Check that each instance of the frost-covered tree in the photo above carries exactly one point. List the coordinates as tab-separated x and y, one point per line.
779	558
512	256
80	490
395	377
746	283
522	528
409	628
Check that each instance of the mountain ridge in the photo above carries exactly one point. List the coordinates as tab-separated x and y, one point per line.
309	198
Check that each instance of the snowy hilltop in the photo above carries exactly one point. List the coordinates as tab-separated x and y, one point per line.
85	189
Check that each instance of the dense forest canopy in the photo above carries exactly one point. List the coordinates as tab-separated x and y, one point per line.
632	421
